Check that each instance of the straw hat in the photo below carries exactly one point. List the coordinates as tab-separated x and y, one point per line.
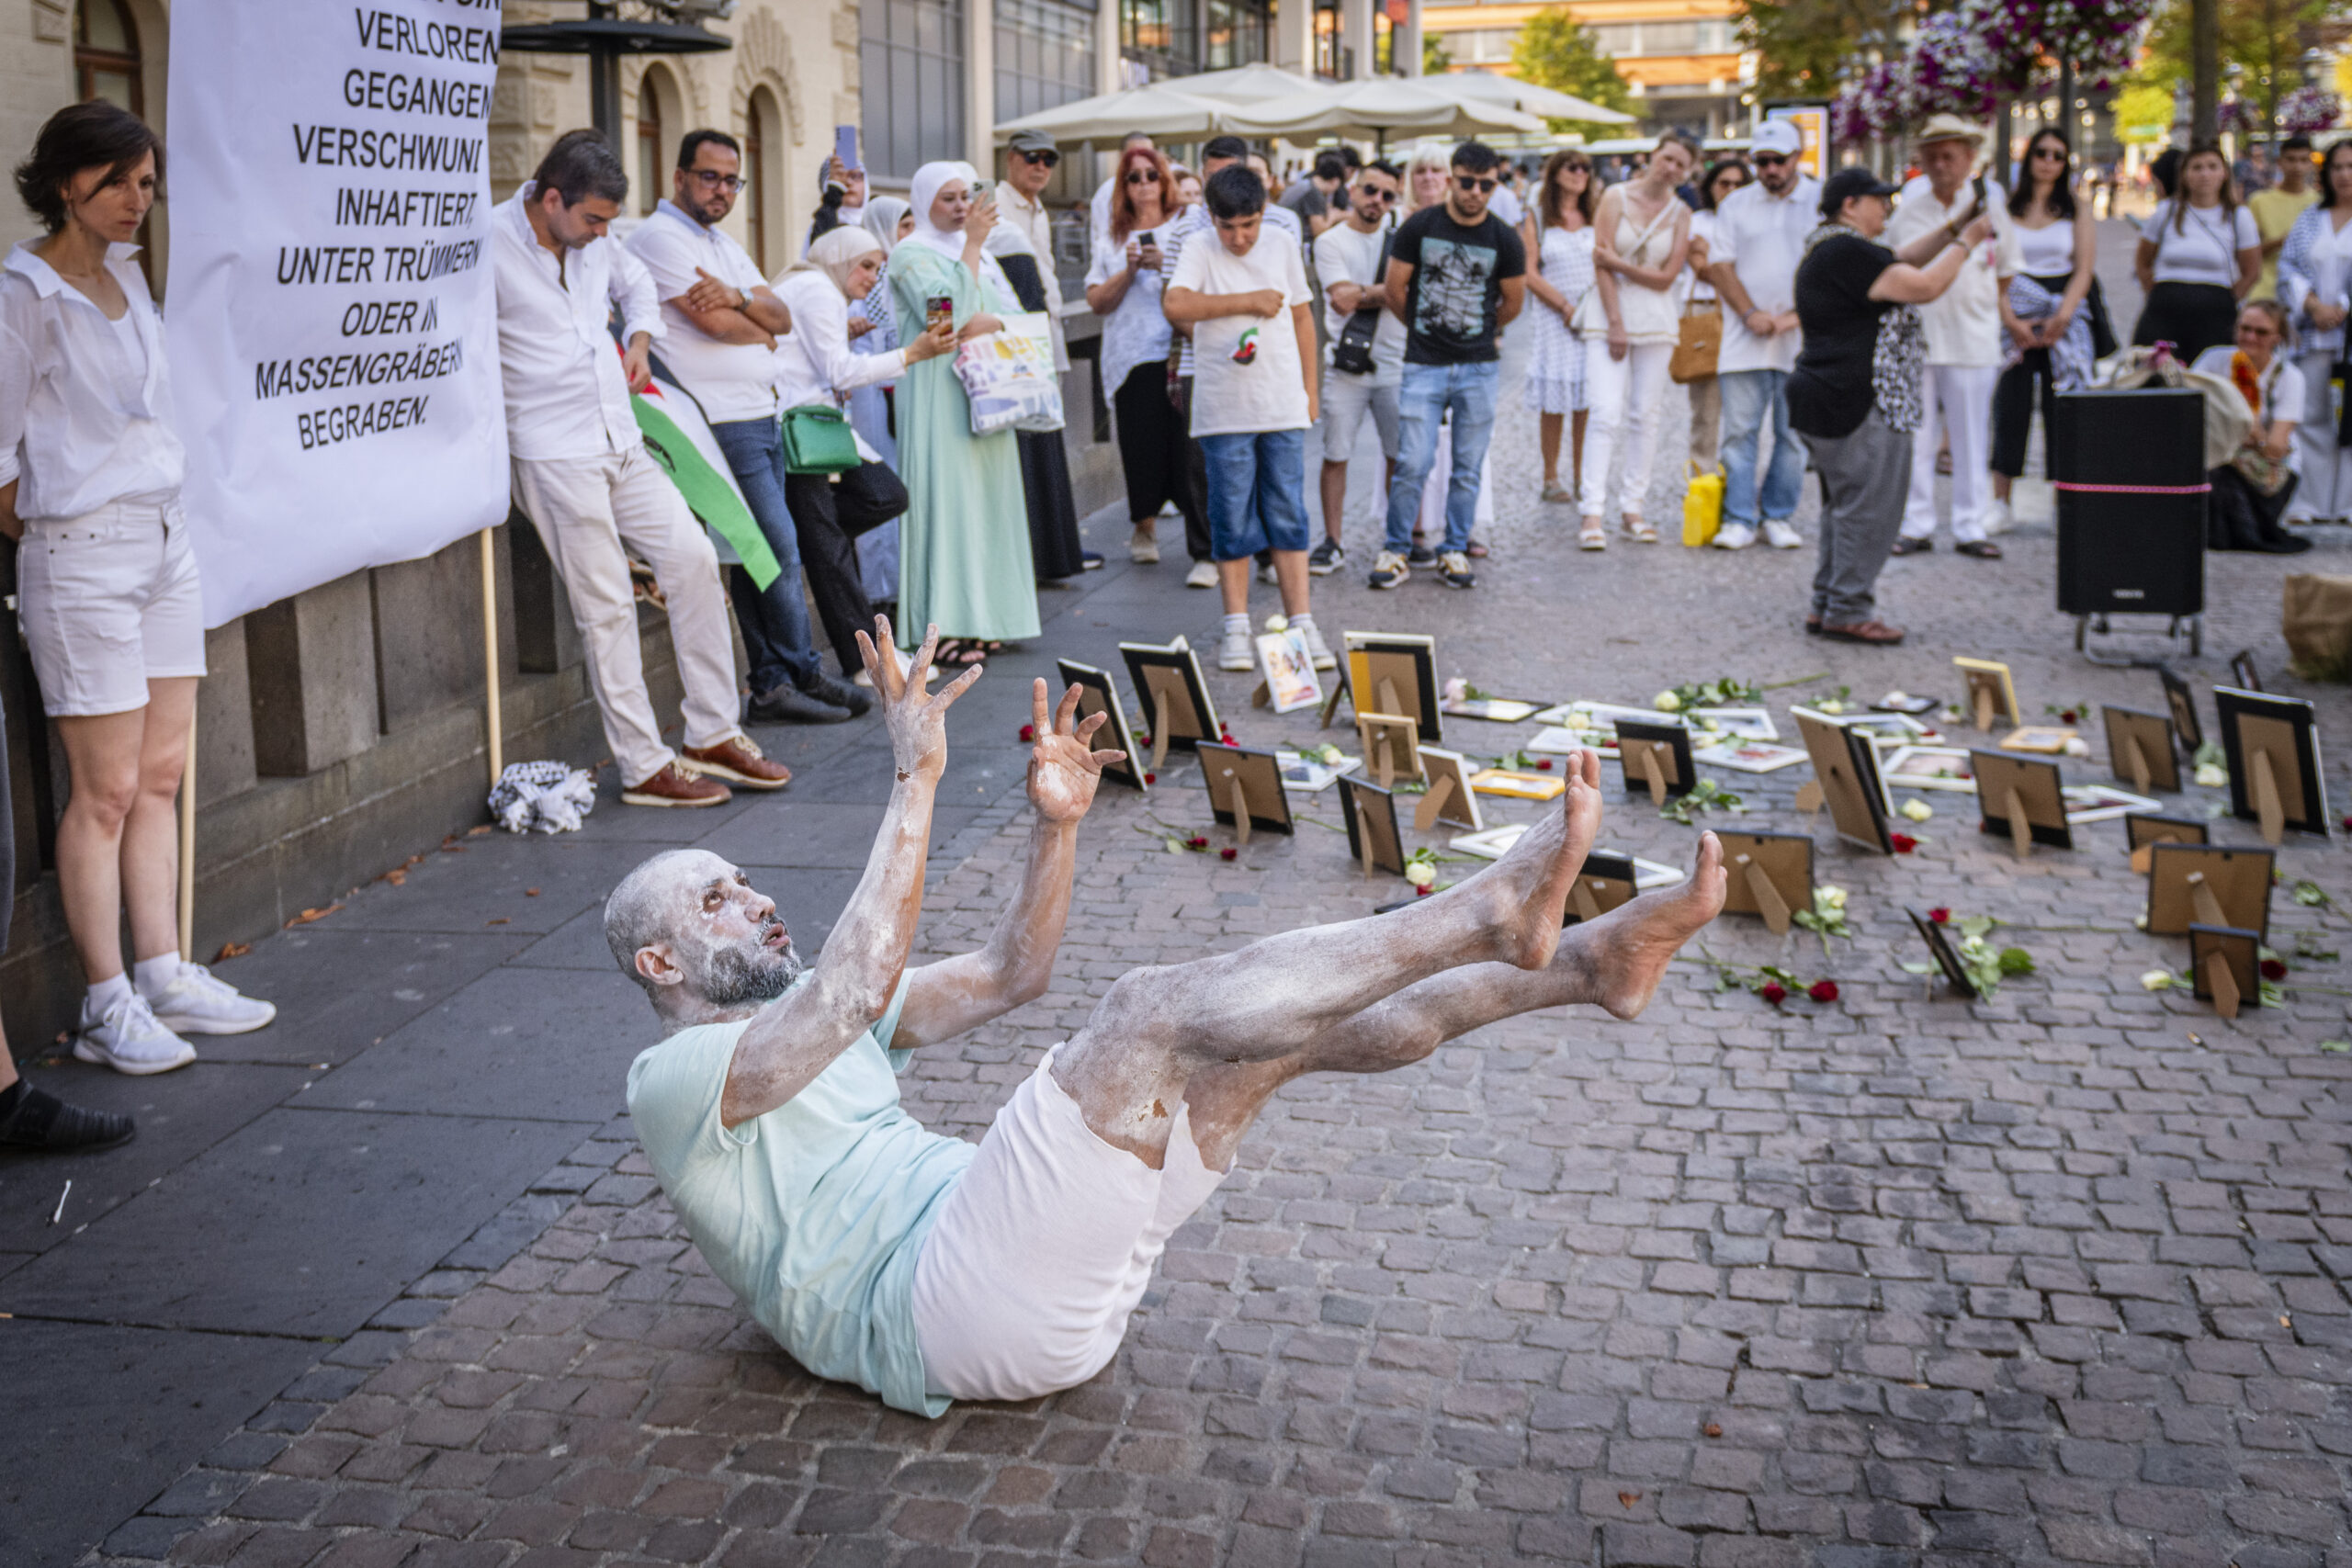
1947	127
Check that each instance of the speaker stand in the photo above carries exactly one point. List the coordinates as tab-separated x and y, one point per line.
2086	626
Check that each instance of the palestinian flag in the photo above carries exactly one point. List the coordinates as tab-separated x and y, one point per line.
679	439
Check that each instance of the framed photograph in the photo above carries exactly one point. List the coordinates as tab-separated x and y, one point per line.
1940	949
1604	883
1391	744
2140	750
2272	746
1490	843
2206	884
1750	756
1747	724
1306	775
1559	739
1992	696
2182	709
2144	829
1289	669
1178	711
1373	838
1768	874
2226	963
1450	796
2045	739
2243	671
1903	701
2023	799
2102	803
1391	672
1657	755
1494	710
1245	789
1889	729
1519	785
1845	778
1930	767
1650	874
1096	694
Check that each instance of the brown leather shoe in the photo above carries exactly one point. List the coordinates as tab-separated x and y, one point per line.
1877	632
737	760
674	785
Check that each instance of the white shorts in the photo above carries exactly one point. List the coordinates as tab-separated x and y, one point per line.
1038	1257
1346	400
110	602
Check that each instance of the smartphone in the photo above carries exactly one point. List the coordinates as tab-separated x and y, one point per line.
1147	238
845	146
939	310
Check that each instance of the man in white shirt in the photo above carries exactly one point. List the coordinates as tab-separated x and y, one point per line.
723	322
1758	239
583	475
1964	330
1351	262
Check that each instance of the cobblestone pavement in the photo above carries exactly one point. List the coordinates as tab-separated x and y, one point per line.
1894	1280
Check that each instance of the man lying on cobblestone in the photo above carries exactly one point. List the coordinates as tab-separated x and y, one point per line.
924	1269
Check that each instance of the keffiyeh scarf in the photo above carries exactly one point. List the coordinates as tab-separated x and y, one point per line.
1899	363
2069	356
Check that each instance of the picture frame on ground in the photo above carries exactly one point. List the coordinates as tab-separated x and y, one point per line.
2021	799
1656	757
1992	695
2142	829
2272	747
1449	797
1768	874
1889	730
1745	723
1947	958
2091	803
2243	673
1245	789
2043	740
1517	785
1604	883
2140	750
1845	778
2226	963
1307	775
1097	694
1750	756
1372	838
1903	701
1395	672
1392	747
1178	712
1289	670
2210	884
1930	767
2181	704
1493	710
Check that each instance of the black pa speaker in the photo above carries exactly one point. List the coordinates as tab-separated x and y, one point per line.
2128	467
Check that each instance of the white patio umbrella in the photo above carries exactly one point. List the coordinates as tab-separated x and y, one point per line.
1375	108
1247	84
1528	97
1156	108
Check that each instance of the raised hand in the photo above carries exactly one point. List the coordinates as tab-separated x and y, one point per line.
1063	770
917	723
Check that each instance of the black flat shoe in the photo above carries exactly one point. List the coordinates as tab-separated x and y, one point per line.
1983	549
1913	548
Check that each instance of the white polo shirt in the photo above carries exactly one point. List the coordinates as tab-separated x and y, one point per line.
1762	236
565	396
731	380
1964	325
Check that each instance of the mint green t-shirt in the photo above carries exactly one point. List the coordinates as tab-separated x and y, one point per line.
814	1214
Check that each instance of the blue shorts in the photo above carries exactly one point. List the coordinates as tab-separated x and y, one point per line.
1257	498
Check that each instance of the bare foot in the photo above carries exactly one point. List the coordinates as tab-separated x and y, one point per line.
1532	882
1628	949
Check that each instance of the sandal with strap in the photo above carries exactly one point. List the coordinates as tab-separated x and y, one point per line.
1592	537
958	653
1639	529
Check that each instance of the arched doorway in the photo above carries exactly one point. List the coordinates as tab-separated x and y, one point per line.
106	55
763	142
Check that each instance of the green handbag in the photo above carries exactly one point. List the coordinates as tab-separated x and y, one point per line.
817	440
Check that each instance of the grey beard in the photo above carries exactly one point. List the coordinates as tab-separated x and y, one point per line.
737	976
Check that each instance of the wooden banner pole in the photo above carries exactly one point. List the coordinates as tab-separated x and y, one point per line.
188	846
489	655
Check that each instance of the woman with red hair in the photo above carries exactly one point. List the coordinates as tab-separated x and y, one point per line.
1123	287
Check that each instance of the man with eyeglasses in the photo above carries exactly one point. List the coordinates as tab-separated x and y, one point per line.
1759	239
1367	357
723	321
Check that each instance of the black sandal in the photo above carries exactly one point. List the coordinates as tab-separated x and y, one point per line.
1983	549
958	653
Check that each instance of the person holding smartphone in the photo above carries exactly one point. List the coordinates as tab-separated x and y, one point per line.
1124	287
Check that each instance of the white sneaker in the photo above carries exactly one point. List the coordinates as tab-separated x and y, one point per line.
1316	651
129	1040
1735	537
1235	652
1203	575
197	1003
1998	518
1143	548
1781	536
1266	575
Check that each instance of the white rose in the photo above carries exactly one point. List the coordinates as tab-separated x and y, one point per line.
2213	775
1420	874
2158	979
1833	897
1832	707
1917	810
1666	702
1278	623
2078	748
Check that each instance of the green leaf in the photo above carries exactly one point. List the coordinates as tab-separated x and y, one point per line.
2311	895
2336	1047
2016	961
1918	968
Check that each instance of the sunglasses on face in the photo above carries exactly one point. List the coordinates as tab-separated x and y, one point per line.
1048	159
1770	160
1476	182
2057	152
711	179
1142	177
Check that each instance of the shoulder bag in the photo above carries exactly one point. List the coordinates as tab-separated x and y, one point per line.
1699	339
817	440
1352	353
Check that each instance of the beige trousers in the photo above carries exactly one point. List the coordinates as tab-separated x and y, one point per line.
585	510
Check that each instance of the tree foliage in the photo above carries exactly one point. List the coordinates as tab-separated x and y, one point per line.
1554	49
2265	38
1801	43
1435	61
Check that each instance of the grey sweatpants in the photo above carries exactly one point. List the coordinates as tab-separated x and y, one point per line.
1864	477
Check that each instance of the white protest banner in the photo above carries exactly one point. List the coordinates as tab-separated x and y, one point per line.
331	312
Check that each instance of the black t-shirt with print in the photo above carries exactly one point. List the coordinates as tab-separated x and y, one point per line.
1829	390
1457	288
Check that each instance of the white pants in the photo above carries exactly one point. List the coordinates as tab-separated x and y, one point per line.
109	602
1040	1254
2325	488
585	509
1957	399
1625	396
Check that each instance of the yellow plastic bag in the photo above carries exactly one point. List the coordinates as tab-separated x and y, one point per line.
1702	508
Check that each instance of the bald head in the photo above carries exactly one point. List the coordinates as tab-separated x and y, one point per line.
688	927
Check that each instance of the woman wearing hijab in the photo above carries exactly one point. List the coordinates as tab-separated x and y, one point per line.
874	329
814	364
964	544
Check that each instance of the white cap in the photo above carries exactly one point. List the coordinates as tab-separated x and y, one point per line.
1777	136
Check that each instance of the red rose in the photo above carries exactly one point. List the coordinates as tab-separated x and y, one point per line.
1424	892
1543	764
1822	990
1228	740
1903	843
2273	969
1773	993
1028	732
1196	843
2067	717
1940	915
1151	778
1227	852
1143	739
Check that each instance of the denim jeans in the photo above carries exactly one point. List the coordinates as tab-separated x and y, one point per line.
1428	393
1749	396
775	620
1257	498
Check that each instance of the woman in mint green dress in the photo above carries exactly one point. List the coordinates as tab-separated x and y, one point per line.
963	546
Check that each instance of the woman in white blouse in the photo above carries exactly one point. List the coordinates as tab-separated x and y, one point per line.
1123	287
2052	316
2199	256
815	365
2251	490
90	474
2315	285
